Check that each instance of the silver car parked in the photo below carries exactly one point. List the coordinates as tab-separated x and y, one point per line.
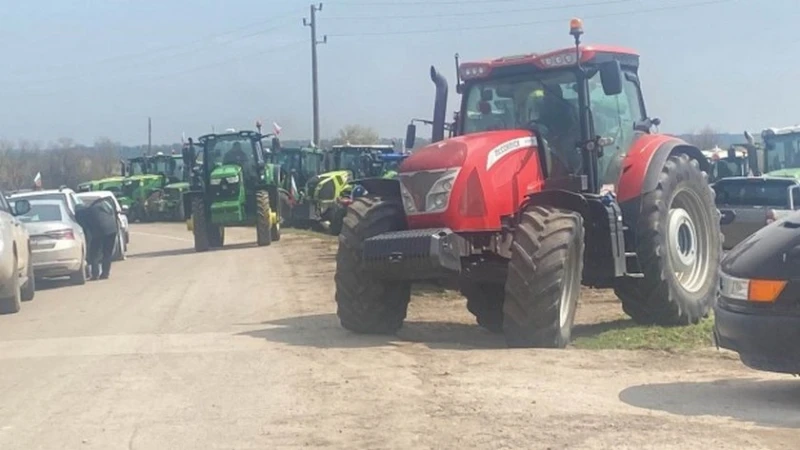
58	244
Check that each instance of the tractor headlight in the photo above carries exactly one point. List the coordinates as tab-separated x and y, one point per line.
427	191
233	179
216	181
439	194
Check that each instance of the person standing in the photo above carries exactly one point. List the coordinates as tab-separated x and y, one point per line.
101	219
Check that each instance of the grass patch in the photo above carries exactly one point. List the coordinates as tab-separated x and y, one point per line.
626	335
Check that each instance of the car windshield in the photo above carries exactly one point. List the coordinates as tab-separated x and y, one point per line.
753	192
42	212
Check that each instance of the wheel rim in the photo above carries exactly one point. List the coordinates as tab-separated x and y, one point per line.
688	243
569	293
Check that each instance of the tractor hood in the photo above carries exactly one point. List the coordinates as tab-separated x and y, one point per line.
469	183
226	171
487	147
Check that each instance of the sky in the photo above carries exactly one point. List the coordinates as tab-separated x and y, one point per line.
92	68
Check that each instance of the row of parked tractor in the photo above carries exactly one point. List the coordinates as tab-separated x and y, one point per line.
312	187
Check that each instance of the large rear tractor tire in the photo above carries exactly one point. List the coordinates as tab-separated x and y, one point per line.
679	245
263	222
337	219
200	228
485	302
12	303
364	304
29	288
544	278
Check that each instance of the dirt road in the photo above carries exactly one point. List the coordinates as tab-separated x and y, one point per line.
240	349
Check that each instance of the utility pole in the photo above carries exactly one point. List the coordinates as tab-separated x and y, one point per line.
312	23
149	136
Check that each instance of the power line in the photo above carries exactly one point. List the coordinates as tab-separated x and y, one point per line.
483	13
166	48
522	24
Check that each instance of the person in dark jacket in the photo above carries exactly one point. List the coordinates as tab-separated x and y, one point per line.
99	221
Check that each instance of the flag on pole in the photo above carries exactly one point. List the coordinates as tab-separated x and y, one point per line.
276	128
37	180
293	193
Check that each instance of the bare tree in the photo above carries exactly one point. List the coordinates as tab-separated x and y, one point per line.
705	139
357	134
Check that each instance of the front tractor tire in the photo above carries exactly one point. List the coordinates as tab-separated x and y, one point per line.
200	230
679	245
485	302
544	278
364	304
263	219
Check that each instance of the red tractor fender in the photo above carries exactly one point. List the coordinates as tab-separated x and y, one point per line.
643	163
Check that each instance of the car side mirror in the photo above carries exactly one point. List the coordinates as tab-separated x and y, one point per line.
21	207
794	196
611	77
125	209
411	135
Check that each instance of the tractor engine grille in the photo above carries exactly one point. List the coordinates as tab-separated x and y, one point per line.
225	191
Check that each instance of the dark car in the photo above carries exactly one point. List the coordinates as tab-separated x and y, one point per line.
758	312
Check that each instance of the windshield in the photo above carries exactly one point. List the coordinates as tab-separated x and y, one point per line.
783	152
753	192
42	212
136	168
161	166
232	149
728	168
348	160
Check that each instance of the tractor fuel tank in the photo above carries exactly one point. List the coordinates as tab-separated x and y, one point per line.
470	182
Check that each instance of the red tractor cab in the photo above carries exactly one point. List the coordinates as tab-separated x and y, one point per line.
553	179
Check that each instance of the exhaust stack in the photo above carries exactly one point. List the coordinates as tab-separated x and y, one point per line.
439	105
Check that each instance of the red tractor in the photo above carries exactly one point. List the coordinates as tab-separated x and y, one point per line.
553	179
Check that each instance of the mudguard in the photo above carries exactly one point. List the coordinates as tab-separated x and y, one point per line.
643	164
640	172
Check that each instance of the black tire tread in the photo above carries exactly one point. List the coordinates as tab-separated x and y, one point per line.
263	227
366	305
536	273
652	300
485	302
200	226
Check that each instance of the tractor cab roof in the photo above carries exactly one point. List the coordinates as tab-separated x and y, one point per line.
243	133
795	129
551	60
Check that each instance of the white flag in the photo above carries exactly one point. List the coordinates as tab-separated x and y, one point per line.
276	128
37	180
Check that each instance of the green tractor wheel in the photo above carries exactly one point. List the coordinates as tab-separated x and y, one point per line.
200	227
264	219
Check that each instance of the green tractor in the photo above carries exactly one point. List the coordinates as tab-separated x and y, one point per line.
234	185
342	163
780	156
298	166
166	203
138	183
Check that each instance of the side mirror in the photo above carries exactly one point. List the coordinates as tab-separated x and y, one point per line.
611	77
125	209
411	135
21	207
276	144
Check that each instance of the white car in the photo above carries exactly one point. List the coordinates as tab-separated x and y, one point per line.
58	243
123	235
17	283
63	194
